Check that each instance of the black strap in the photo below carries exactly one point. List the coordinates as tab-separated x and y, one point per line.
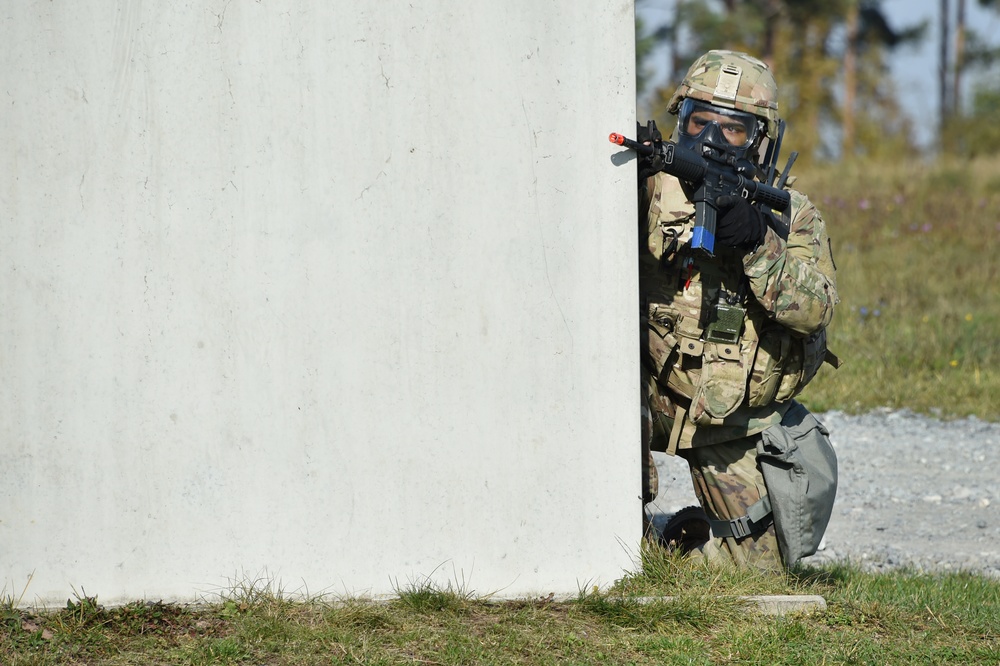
757	519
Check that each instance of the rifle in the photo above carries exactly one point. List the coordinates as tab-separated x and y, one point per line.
715	172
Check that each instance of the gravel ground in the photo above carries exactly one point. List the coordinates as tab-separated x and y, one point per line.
914	492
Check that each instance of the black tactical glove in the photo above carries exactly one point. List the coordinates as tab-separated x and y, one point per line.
648	133
740	224
648	165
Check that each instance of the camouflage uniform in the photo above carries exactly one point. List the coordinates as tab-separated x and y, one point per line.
708	401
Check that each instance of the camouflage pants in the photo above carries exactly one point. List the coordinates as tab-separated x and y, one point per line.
727	481
726	477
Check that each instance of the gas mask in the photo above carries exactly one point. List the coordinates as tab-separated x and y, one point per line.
700	124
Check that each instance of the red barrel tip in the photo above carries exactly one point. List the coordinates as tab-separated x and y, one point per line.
616	138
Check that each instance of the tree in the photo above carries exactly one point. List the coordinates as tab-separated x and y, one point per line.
974	130
803	40
943	69
644	45
872	119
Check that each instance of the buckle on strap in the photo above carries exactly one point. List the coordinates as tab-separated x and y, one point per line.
756	520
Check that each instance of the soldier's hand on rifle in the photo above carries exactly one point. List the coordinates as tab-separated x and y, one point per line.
741	225
648	134
648	165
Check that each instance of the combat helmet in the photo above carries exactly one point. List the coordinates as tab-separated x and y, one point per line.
731	80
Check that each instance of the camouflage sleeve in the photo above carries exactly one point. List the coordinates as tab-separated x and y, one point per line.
795	280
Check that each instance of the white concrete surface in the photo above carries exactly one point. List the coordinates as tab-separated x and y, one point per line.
337	293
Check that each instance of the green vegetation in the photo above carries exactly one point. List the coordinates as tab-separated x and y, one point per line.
699	619
832	61
917	257
915	241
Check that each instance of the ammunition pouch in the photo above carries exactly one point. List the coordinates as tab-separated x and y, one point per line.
764	364
784	364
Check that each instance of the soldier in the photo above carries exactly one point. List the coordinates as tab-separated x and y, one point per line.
730	338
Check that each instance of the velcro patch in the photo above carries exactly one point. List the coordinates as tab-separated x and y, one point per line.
729	82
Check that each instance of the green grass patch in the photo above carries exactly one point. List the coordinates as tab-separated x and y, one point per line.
673	611
916	249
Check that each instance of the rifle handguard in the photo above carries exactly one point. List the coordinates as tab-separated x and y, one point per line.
689	166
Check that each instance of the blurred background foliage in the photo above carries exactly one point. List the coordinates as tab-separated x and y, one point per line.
833	55
915	228
916	246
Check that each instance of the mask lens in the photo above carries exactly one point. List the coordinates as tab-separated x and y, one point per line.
737	127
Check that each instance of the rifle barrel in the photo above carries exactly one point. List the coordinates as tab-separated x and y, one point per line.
622	140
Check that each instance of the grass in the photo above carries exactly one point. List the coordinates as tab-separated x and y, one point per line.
916	248
889	618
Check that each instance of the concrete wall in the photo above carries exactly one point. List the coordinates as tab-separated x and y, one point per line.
337	293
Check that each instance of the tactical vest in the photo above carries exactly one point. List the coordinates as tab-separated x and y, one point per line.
709	340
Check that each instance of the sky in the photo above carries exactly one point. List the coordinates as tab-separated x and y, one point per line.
914	68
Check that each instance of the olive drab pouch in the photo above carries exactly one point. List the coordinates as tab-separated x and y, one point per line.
773	347
799	465
661	347
792	370
723	382
784	364
800	364
814	353
661	343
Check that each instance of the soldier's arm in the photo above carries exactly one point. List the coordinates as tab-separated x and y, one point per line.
795	280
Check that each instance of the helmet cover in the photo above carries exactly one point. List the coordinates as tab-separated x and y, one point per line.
732	80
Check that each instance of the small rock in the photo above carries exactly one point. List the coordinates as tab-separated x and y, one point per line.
961	492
